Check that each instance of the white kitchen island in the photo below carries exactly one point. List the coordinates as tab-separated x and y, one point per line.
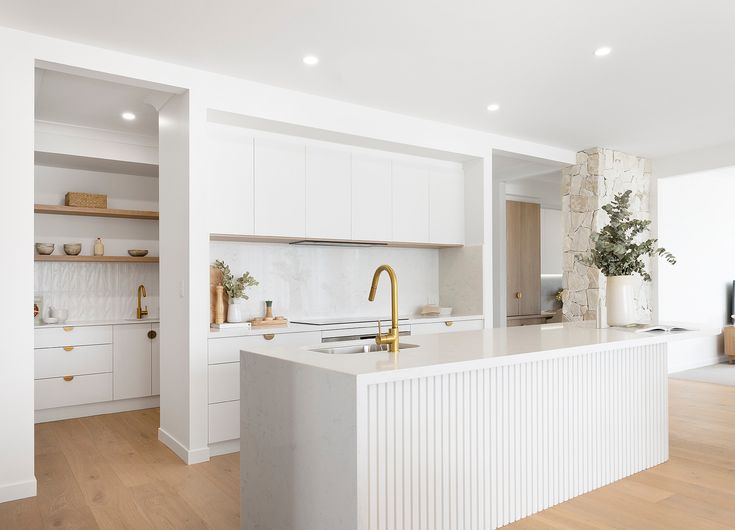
470	430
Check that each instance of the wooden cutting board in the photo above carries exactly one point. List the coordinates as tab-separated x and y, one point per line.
215	279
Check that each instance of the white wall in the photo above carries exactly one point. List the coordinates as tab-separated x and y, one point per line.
694	223
16	280
19	52
306	281
551	250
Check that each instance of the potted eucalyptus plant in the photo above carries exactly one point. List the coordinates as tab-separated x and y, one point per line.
235	289
617	252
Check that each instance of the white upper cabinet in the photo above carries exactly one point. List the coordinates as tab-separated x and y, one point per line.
328	192
230	154
280	188
446	206
372	212
410	202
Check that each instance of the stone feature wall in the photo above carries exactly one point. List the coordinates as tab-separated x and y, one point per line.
597	176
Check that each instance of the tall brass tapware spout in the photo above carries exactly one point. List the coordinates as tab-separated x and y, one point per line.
139	311
390	338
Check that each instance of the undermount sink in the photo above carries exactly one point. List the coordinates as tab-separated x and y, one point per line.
362	348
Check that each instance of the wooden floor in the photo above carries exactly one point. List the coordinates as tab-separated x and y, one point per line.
111	472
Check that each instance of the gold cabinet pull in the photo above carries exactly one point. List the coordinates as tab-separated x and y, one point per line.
68	328
269	336
519	295
152	334
68	378
68	348
449	323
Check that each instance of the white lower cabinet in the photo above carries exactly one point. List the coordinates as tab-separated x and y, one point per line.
224	421
131	361
446	326
224	377
80	365
72	390
156	359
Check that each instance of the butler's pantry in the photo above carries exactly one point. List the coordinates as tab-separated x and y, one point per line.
96	290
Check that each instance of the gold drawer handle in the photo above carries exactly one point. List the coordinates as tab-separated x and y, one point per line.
68	348
449	323
68	328
269	336
68	378
519	295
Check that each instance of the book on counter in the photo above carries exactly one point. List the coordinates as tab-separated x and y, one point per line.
646	328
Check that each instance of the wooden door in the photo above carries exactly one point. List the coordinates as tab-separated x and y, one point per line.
513	256
523	251
530	270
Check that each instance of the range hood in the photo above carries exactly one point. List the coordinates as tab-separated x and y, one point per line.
328	243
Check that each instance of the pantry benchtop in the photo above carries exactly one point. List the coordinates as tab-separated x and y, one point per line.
111	322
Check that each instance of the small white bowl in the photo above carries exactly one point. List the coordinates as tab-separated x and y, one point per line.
50	320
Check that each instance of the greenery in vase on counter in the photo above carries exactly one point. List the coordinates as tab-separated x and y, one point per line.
235	286
617	250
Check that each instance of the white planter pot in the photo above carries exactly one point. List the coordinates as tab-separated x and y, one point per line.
621	308
234	311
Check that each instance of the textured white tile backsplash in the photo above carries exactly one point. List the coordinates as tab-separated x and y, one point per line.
330	281
97	291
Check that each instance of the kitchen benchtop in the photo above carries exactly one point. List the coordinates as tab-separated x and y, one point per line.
497	346
301	328
82	323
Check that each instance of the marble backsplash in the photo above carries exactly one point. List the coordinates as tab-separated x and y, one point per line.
315	281
97	291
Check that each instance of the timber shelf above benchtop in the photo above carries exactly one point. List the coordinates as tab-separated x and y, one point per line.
95	212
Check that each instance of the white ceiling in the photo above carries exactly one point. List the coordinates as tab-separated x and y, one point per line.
76	100
667	86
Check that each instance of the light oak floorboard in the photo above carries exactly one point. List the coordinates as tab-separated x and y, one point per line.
112	472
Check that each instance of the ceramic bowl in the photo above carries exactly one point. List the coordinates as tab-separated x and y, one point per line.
72	249
50	320
60	315
137	252
44	248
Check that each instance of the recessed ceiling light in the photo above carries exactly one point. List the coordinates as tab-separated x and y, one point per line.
128	116
603	51
493	107
311	60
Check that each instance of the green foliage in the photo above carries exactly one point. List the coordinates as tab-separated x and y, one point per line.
618	249
234	287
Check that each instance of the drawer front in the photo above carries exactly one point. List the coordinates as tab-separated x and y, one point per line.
72	336
445	327
57	392
73	360
224	421
227	350
224	382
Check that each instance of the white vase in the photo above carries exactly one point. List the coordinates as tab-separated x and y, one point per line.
234	311
620	293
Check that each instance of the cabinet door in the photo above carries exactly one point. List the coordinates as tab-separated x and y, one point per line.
530	265
513	257
446	206
230	155
410	203
328	194
131	367
280	188
372	212
156	360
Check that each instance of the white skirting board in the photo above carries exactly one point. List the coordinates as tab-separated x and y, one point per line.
189	456
485	447
17	490
95	409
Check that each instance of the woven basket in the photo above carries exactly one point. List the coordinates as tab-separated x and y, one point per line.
86	200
